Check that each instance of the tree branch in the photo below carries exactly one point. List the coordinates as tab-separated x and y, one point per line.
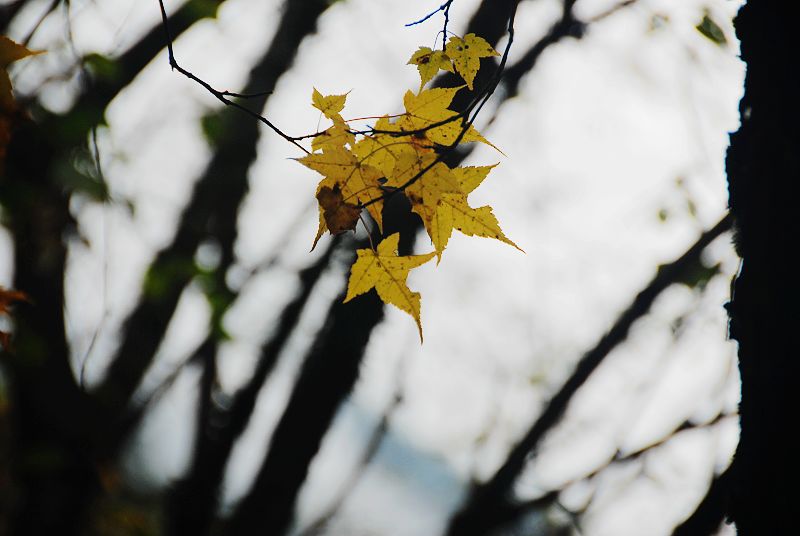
211	213
488	504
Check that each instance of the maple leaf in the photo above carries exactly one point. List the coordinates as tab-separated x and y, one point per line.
357	182
329	105
467	53
430	107
426	191
7	298
470	177
453	211
381	150
339	216
336	136
387	273
321	228
429	63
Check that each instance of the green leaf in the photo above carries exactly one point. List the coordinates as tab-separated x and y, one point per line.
203	9
78	173
712	31
103	67
697	275
213	126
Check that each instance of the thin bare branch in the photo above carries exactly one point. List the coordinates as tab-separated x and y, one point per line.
222	96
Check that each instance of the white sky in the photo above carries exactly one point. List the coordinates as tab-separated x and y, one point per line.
606	132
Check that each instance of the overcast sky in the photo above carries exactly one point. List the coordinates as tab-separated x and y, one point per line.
614	164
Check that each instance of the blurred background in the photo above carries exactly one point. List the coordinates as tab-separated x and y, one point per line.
185	364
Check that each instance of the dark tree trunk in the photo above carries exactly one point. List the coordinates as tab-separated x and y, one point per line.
763	170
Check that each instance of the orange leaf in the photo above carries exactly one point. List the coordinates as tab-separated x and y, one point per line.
7	298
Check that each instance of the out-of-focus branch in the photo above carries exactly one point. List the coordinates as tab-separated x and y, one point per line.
8	12
211	214
373	445
52	7
488	505
51	413
331	368
328	375
566	26
551	497
194	499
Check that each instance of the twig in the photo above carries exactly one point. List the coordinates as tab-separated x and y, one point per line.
444	7
610	11
222	96
551	497
477	103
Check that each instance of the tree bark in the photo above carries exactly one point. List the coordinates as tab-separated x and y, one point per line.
763	170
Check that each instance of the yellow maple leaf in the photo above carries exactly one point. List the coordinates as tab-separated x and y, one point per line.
467	53
470	177
382	150
321	228
329	105
430	107
336	136
387	273
453	211
429	62
426	191
357	182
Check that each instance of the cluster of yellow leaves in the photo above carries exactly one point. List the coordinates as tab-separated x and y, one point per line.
401	154
459	55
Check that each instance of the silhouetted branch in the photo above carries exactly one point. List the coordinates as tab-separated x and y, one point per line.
518	509
444	8
211	214
478	100
566	26
611	11
326	378
331	369
194	499
488	504
49	410
373	445
8	12
52	7
51	413
222	96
